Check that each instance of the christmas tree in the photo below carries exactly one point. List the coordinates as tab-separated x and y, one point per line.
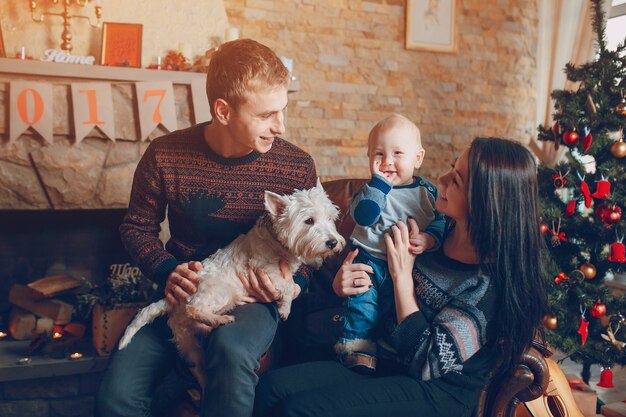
583	198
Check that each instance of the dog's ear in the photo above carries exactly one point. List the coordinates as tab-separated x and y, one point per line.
274	203
319	184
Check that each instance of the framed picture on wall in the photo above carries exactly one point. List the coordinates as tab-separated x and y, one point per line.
431	25
3	53
121	44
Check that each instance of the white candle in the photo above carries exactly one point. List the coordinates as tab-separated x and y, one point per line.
185	49
231	34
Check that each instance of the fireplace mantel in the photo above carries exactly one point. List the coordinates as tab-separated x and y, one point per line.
22	68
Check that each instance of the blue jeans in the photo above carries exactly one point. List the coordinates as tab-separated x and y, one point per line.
232	355
363	312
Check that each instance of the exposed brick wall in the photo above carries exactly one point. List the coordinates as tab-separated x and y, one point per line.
350	58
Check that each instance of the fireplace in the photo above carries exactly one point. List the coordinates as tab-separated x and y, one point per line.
39	243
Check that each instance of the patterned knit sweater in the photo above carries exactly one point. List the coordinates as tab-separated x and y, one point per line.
448	336
210	200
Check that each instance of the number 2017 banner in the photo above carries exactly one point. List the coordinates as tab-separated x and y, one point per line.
31	106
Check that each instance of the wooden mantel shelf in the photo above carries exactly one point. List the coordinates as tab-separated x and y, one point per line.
101	72
95	72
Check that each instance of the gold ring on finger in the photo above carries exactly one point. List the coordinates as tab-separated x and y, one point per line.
354	283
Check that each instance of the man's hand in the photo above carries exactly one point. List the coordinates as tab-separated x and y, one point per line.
260	288
352	279
182	282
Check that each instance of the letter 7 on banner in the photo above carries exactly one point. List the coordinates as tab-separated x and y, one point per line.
155	101
92	105
30	105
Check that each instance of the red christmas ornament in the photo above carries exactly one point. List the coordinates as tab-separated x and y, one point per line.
606	378
559	180
570	137
571	208
587	141
584	188
603	189
583	330
618	252
562	276
608	215
598	309
615	214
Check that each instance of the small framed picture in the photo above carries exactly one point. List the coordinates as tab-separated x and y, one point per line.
121	44
3	52
431	25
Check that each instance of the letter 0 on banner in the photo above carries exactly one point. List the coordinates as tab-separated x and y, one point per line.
155	101
93	107
30	106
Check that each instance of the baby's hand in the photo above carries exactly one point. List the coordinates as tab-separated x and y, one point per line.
419	241
376	170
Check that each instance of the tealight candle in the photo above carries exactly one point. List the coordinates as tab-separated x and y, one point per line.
76	355
57	335
3	334
23	361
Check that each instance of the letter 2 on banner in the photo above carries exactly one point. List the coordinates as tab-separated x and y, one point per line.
155	101
30	106
92	104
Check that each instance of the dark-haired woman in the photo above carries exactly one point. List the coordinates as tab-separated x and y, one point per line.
451	306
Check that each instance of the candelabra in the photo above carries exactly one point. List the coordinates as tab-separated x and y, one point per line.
66	36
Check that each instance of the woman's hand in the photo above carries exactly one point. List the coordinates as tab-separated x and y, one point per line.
400	261
260	288
352	278
182	282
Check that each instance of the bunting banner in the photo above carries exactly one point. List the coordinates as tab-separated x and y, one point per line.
92	105
201	108
30	106
155	101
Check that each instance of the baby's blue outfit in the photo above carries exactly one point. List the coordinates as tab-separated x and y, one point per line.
375	208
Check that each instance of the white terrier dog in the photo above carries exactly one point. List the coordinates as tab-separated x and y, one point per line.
298	228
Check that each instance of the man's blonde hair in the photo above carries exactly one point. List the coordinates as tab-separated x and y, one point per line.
240	66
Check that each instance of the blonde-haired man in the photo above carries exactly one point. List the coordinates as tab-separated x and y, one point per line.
211	178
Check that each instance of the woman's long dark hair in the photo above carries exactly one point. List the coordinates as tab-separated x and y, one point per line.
503	223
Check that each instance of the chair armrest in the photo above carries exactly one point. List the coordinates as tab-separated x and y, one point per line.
527	381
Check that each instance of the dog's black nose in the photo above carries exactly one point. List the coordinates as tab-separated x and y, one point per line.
331	243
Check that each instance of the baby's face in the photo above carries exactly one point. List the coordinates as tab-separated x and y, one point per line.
394	153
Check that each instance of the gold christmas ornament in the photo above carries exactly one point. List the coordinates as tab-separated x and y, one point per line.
621	108
550	322
618	149
588	270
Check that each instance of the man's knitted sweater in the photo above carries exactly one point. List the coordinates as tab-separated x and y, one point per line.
210	200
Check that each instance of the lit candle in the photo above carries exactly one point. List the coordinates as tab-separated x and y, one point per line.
23	361
76	355
57	335
3	334
231	34
23	52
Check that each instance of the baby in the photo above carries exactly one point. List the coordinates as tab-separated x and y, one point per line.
393	194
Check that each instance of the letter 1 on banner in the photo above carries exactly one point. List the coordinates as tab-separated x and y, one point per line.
155	102
93	107
30	105
201	108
